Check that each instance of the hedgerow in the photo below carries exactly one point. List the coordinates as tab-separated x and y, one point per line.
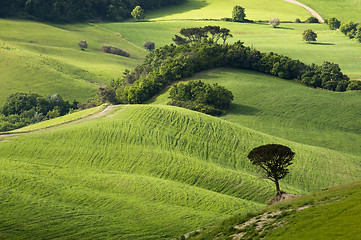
171	63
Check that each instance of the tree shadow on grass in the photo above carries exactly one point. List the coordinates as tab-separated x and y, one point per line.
239	109
285	28
326	44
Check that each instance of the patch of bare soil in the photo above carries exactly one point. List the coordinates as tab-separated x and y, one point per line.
282	197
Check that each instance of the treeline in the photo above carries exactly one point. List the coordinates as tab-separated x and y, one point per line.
77	10
350	29
21	109
171	63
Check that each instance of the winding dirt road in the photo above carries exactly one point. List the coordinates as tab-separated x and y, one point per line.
84	119
313	12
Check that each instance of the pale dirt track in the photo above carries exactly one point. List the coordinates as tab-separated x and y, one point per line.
85	119
313	12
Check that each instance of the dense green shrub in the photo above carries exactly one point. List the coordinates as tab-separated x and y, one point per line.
202	97
333	23
312	20
21	109
114	50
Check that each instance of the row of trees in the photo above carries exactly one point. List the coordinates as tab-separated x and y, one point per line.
202	97
77	10
350	29
171	63
21	109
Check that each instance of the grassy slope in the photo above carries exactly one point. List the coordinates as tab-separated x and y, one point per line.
332	46
45	59
331	214
130	170
215	9
347	10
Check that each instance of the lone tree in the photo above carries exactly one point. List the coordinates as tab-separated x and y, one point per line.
138	13
274	22
309	35
149	45
83	45
273	159
238	14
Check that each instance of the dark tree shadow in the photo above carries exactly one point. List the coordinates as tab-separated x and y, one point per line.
285	28
239	109
317	43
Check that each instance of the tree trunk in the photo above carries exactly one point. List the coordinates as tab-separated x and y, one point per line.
279	193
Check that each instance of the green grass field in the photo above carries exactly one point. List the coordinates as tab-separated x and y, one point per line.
128	169
45	59
215	9
347	10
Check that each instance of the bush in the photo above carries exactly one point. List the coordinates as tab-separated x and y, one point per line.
149	45
202	97
114	50
83	45
312	20
354	85
274	22
333	23
297	20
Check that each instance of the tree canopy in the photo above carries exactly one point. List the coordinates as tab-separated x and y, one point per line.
138	13
238	14
274	160
309	36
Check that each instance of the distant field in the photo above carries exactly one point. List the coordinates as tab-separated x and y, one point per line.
345	10
331	46
216	9
46	59
156	171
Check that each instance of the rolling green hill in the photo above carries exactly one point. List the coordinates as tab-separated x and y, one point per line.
45	59
156	171
141	164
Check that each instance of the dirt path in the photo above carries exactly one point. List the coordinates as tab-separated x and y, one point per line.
313	12
85	119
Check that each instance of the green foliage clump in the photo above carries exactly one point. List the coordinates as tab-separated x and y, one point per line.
202	97
22	109
352	30
115	50
149	45
138	13
334	23
238	14
312	20
274	22
83	45
309	36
